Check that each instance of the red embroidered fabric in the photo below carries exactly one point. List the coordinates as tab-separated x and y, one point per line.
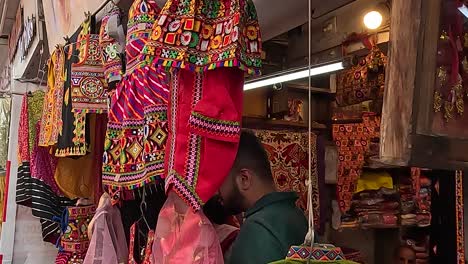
147	258
204	129
353	142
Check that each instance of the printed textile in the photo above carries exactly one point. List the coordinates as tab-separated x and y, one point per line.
363	82
204	35
23	185
137	130
52	110
74	241
108	243
204	132
353	142
289	159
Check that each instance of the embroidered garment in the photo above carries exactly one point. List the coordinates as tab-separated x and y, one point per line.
110	46
205	115
147	257
88	84
203	35
137	129
184	236
353	141
77	178
141	17
52	111
108	244
289	159
69	143
363	82
74	241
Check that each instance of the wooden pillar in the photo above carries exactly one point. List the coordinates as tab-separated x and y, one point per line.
400	82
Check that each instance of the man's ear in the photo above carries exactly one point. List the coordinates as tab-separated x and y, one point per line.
244	179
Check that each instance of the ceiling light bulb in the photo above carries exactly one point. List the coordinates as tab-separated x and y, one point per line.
373	20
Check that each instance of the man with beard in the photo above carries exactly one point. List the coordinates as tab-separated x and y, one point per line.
272	221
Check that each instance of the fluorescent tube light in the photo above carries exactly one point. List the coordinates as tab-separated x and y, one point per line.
464	10
294	76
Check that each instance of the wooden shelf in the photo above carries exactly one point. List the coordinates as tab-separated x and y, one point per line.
265	123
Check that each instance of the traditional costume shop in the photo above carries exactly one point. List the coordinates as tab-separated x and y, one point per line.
137	129
205	45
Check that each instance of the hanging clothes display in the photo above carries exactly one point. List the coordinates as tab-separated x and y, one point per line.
137	129
289	159
353	141
36	186
74	241
52	111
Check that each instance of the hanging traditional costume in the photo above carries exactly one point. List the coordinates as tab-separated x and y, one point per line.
52	111
205	45
137	129
86	98
74	241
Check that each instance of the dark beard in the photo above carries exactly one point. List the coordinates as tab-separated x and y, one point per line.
233	203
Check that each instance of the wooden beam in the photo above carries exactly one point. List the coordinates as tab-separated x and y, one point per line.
397	112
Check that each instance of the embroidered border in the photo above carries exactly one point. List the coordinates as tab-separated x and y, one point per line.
459	217
185	191
224	128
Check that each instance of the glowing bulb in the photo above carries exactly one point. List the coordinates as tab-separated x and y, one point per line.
373	20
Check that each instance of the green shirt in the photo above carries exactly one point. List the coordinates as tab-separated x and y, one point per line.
270	228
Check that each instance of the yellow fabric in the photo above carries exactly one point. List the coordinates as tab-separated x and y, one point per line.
75	177
2	195
374	181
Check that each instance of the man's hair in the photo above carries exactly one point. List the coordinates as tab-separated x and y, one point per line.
251	155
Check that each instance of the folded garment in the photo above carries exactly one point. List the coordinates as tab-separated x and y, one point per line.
424	219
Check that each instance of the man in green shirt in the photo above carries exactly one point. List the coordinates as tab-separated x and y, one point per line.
272	221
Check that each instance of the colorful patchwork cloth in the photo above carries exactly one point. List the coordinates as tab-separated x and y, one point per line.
289	159
203	35
353	141
137	130
74	242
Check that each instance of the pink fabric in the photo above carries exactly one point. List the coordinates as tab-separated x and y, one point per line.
108	242
43	164
185	236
